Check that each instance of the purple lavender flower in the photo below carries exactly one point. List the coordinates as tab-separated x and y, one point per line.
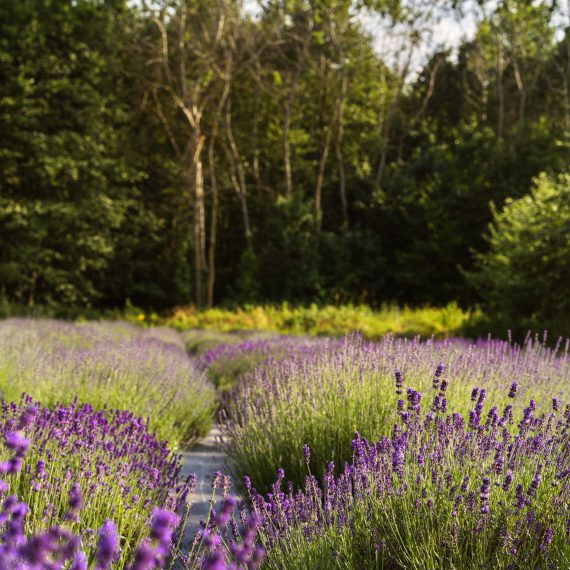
307	453
145	557
514	389
520	497
414	399
535	483
508	480
436	376
108	545
548	536
214	562
17	443
79	562
75	498
399	382
163	524
226	511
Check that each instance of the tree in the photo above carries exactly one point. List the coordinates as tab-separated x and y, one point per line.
66	189
525	274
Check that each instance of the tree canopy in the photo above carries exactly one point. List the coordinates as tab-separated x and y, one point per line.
181	151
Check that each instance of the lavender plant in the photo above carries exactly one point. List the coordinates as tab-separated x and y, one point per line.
83	467
227	540
443	490
59	540
114	365
227	363
321	400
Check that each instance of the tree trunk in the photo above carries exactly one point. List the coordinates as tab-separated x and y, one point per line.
289	109
194	182
239	181
338	147
215	196
287	150
256	172
501	89
213	226
321	177
387	122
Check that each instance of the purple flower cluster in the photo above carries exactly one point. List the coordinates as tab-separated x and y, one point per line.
84	467
451	483
227	539
353	383
228	363
57	547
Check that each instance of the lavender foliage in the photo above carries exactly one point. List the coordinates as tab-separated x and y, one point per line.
319	399
83	467
438	492
108	364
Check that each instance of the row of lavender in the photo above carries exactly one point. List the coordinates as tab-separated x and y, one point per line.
455	477
85	489
322	396
466	463
440	491
108	364
87	482
460	457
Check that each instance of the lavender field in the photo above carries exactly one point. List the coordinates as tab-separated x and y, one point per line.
396	454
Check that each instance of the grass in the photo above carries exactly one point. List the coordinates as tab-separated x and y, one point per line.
329	320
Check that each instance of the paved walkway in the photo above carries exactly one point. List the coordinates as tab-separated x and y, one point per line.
204	459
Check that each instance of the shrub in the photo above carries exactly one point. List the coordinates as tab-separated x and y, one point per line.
525	274
329	320
82	467
123	472
227	363
442	490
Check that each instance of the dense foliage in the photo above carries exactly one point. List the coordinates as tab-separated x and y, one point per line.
202	153
83	467
460	457
330	320
525	274
443	490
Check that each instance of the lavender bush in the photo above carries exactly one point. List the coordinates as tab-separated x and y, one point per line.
443	490
321	400
198	341
93	505
114	365
227	363
83	467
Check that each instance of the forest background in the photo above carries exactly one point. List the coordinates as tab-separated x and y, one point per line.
181	152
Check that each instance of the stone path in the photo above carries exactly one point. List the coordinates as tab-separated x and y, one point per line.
204	459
